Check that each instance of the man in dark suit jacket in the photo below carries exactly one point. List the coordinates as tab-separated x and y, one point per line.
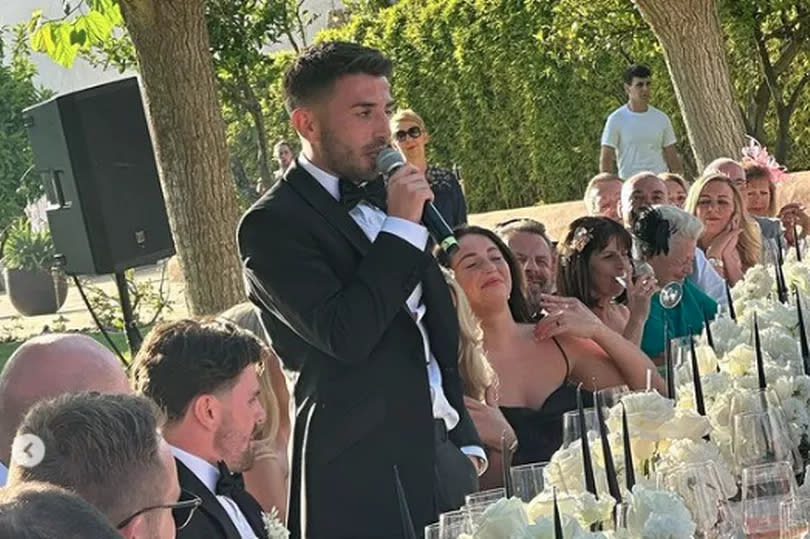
203	374
351	299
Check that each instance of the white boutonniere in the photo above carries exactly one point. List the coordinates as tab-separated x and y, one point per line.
275	529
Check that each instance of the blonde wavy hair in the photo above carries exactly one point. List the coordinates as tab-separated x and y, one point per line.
477	374
749	245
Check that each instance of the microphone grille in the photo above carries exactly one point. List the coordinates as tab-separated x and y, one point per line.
389	159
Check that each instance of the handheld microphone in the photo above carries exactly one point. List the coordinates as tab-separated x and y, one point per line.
389	161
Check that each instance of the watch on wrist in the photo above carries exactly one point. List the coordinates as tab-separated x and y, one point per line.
717	264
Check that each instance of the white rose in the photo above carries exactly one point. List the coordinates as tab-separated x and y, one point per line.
652	505
686	424
660	526
726	334
647	411
681	452
566	471
581	505
797	275
781	345
543	528
741	361
504	518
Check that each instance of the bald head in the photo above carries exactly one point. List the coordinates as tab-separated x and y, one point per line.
47	366
602	195
642	189
731	168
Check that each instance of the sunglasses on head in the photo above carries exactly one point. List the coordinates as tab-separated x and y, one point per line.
413	132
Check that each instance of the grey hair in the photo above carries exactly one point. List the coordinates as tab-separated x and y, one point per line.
714	166
105	448
681	222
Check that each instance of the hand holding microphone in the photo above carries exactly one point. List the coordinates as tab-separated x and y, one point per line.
410	197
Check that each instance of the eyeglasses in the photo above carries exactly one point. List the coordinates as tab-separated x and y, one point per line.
182	511
413	132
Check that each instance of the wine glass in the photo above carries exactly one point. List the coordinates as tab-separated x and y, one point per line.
758	440
478	502
794	519
454	523
527	480
432	531
611	396
571	431
701	490
764	488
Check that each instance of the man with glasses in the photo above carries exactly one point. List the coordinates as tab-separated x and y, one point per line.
106	449
204	376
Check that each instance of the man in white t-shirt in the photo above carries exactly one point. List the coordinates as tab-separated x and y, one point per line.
637	135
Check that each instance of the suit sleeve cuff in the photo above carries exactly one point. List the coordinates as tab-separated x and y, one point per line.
475	451
413	233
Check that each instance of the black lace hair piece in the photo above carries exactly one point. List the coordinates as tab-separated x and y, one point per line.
653	231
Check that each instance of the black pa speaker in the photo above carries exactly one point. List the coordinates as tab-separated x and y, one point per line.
94	155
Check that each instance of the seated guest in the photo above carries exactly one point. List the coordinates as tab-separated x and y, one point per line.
731	239
595	268
480	387
602	196
410	136
646	189
106	449
677	188
535	363
43	511
528	241
204	375
50	365
266	480
666	237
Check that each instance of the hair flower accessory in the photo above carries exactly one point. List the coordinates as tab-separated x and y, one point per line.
758	154
581	238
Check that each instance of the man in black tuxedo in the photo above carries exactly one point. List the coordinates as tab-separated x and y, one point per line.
204	375
337	262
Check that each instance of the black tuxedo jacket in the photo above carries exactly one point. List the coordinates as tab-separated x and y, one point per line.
209	521
333	304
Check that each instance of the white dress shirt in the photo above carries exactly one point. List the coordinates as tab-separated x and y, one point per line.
208	475
707	278
3	475
372	221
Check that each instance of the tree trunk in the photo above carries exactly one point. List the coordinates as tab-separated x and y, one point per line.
690	34
254	108
171	41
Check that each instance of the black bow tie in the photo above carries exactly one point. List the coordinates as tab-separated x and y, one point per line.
229	483
372	192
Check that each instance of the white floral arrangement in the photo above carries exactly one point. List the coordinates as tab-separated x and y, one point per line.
272	524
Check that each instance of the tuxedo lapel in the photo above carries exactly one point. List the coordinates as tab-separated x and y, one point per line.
210	505
325	204
441	318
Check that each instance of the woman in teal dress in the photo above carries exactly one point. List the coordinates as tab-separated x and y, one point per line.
666	238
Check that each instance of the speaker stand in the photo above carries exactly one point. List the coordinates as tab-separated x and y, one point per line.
133	335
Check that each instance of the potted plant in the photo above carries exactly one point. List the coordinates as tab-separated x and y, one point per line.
33	285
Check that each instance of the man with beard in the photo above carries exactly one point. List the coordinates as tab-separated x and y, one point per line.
336	261
204	376
534	251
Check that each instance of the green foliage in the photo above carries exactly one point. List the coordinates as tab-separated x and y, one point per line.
28	250
17	91
150	303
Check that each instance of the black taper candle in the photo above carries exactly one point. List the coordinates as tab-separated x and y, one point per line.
730	300
763	384
558	530
805	349
781	285
700	405
404	511
607	454
629	472
506	466
590	482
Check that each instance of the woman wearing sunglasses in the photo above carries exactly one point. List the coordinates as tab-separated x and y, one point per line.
410	137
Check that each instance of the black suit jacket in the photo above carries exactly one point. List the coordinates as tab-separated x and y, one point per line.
209	521
333	304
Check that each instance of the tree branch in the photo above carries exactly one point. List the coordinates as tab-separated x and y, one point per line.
767	67
794	97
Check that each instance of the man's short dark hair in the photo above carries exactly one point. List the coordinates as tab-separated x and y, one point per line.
640	71
187	358
43	511
105	448
319	67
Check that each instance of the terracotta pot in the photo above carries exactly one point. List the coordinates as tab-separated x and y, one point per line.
36	292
